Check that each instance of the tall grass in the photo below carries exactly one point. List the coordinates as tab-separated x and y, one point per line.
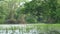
31	29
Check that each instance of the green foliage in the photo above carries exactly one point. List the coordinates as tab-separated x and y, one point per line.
35	11
46	9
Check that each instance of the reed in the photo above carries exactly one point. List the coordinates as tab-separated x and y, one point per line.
31	29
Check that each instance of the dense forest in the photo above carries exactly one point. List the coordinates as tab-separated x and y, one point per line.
29	11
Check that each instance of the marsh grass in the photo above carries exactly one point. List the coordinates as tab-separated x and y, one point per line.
31	29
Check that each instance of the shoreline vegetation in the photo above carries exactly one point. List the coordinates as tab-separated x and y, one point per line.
29	16
30	25
31	29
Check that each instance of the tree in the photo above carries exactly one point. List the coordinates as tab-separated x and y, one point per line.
9	9
45	10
